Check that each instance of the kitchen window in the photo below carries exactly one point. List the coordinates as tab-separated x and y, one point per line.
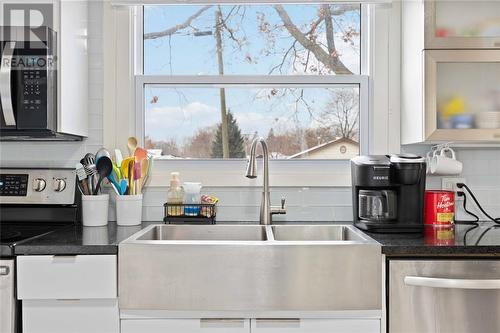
214	77
162	84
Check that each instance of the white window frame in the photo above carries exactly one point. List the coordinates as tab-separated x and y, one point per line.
238	81
379	110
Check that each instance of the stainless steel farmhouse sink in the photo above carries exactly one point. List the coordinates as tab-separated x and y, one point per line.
250	268
204	233
317	233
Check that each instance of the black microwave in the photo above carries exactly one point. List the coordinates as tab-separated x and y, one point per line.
28	84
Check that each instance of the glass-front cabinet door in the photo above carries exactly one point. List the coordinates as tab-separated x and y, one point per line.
462	95
462	24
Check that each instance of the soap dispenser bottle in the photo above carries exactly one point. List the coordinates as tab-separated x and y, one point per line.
175	196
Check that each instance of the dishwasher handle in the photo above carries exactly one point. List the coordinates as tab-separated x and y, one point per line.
431	282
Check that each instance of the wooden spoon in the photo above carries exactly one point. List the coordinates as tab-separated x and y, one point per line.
132	145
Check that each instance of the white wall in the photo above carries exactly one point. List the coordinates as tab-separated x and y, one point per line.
481	166
481	172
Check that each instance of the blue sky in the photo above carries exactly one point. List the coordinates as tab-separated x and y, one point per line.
179	112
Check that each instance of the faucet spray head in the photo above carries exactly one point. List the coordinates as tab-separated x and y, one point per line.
251	168
252	159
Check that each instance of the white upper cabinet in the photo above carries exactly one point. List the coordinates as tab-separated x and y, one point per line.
452	24
73	67
462	95
450	71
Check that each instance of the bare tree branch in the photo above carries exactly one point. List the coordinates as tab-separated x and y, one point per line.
344	8
331	62
172	30
330	41
280	65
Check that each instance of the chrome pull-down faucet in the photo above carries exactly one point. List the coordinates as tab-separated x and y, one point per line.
266	210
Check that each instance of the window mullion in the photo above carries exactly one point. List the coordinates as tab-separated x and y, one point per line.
252	80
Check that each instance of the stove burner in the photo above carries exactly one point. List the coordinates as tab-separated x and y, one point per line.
15	233
10	236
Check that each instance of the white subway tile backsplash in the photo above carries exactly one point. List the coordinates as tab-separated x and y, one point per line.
96	61
152	214
326	204
96	76
327	197
96	91
95	106
291	196
97	121
249	196
95	45
95	137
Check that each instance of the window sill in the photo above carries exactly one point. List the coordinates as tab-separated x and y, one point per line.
231	173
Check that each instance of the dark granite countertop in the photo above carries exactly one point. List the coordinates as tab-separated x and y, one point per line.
79	240
462	240
459	240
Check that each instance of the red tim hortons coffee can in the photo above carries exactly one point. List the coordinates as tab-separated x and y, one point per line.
439	207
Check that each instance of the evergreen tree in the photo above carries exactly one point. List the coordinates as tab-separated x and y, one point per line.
236	141
270	135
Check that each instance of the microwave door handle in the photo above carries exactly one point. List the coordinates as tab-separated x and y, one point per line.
420	281
5	86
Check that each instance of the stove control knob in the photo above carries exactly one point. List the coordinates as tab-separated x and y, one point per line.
59	184
39	184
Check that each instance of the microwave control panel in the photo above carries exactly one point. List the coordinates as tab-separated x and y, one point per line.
32	100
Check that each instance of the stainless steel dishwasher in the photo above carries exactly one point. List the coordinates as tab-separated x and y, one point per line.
445	296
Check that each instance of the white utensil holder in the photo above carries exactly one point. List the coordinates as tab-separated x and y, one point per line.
95	210
129	209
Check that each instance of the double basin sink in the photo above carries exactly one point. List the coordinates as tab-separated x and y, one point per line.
250	268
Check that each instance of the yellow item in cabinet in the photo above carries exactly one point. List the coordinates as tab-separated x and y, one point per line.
454	106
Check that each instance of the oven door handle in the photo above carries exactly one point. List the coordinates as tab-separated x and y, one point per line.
5	86
431	282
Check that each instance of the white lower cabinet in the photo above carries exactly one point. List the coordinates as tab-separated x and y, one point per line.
71	316
67	277
253	326
68	294
315	326
185	326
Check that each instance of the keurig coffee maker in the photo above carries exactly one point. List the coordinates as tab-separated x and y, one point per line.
388	193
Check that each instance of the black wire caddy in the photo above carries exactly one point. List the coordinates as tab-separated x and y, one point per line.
189	213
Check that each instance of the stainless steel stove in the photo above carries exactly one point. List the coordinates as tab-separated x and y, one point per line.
33	203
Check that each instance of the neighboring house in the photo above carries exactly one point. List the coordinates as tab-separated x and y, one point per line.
338	149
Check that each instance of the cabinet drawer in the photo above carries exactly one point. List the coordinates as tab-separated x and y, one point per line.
71	316
66	277
315	326
186	326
